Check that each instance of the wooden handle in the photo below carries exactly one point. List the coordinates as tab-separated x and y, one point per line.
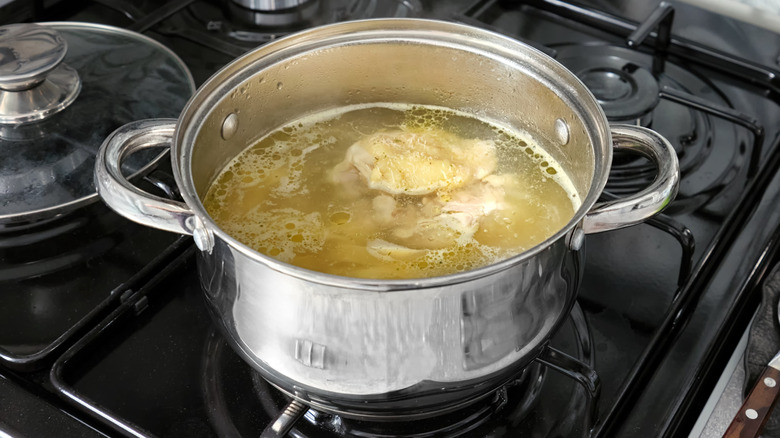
754	413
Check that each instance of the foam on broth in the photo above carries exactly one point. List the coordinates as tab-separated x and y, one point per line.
327	192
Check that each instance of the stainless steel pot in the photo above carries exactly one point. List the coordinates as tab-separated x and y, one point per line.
387	348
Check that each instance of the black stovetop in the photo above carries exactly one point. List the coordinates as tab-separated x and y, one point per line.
103	330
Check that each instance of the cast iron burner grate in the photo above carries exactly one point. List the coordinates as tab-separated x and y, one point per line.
232	29
621	79
651	45
641	87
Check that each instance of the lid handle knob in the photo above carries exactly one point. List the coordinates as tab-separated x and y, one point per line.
34	83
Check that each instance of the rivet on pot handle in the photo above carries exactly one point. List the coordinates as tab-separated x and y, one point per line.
127	199
629	211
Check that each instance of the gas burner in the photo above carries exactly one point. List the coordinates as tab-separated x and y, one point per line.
271	5
521	408
516	398
243	24
626	91
621	80
277	14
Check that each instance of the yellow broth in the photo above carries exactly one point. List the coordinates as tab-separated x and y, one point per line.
391	191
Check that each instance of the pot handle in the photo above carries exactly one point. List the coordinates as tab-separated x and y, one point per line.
127	199
611	215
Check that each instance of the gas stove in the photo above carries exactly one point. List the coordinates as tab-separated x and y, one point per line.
103	329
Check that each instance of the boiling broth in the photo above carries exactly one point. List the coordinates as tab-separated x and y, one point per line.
391	191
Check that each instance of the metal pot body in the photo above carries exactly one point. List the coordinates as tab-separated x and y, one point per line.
405	352
388	348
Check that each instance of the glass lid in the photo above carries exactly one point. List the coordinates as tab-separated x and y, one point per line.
64	87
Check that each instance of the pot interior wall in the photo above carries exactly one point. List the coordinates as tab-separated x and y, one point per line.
510	92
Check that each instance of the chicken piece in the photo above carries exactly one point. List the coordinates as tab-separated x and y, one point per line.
478	199
348	180
454	217
384	207
418	163
442	231
388	251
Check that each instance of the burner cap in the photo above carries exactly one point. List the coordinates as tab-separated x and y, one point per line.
274	13
625	90
270	5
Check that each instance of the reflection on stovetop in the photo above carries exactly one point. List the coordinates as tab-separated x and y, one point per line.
659	299
59	277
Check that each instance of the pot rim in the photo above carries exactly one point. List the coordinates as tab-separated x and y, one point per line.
409	30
